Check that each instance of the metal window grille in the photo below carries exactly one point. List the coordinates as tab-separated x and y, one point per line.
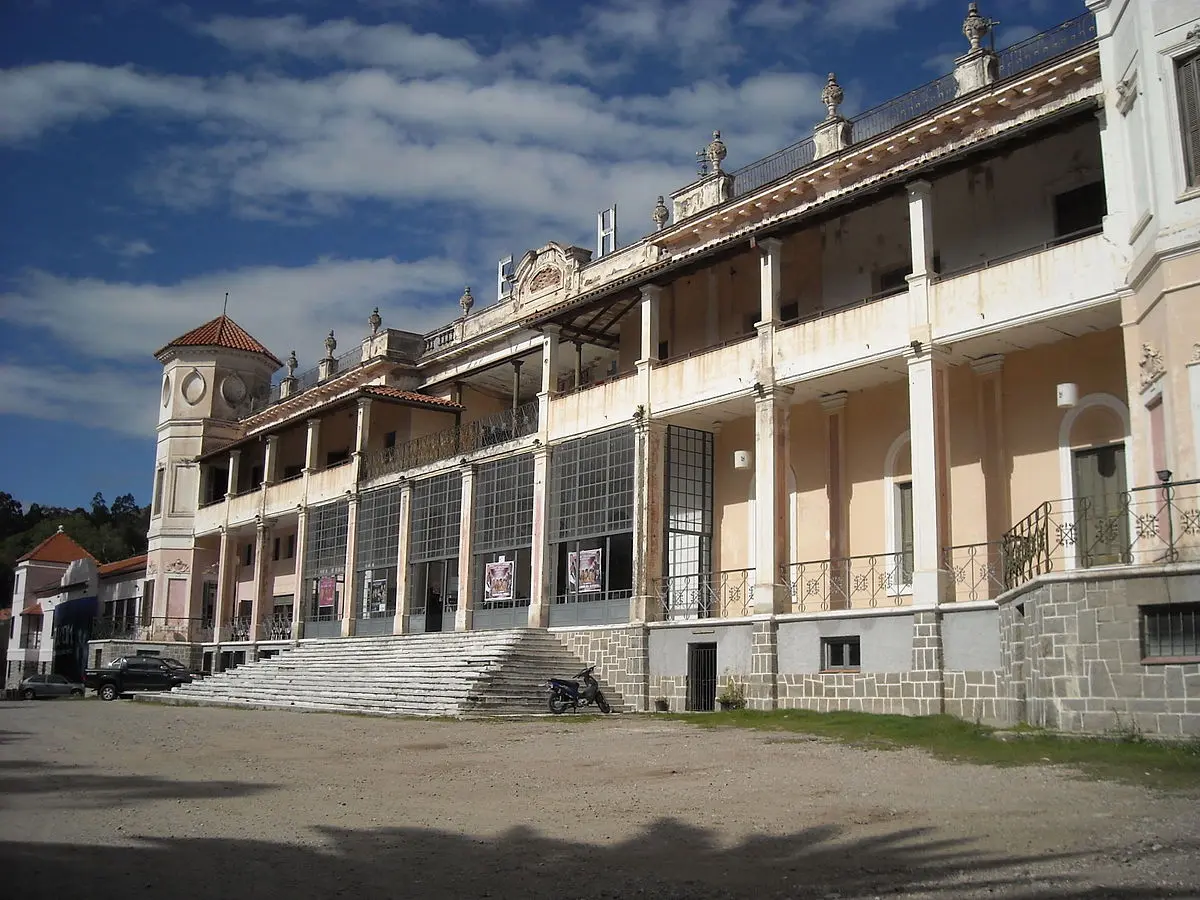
689	521
325	544
1171	632
378	528
504	504
592	485
436	516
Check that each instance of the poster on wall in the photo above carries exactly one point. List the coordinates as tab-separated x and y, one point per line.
377	596
589	571
326	591
498	580
572	571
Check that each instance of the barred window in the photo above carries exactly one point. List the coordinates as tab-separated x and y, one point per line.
1171	633
378	533
592	485
325	544
436	517
1187	78
504	504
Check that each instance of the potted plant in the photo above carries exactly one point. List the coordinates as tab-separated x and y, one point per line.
732	696
661	704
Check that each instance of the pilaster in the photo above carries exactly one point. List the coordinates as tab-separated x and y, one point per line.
549	373
403	601
225	585
649	496
928	421
771	411
927	662
464	617
262	575
349	588
301	595
539	556
997	504
834	407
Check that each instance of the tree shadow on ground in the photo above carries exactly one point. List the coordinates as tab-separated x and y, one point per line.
75	787
668	860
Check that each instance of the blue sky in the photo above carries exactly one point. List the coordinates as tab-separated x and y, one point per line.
316	159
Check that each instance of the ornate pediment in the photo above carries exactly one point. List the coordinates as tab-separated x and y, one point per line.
178	566
552	270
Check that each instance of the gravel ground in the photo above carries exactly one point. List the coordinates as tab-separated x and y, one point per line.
127	799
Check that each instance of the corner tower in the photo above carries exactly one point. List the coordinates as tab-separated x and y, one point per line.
212	376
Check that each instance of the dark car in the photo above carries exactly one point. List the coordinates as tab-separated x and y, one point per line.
127	674
37	687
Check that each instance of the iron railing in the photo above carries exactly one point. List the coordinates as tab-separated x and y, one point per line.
158	629
726	593
490	431
275	628
1148	525
978	570
237	629
849	582
1020	57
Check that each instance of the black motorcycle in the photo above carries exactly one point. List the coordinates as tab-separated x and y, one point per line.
568	693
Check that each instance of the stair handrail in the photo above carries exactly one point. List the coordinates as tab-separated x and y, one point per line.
1025	548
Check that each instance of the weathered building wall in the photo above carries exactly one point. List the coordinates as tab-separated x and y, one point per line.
621	656
860	246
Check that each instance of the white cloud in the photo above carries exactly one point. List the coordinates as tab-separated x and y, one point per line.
119	399
126	249
856	16
777	13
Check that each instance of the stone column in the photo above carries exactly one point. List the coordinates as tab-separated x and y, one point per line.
763	689
262	577
301	597
771	283
834	406
649	498
928	421
578	363
225	586
540	562
650	306
350	589
989	379
549	373
771	410
516	387
235	467
362	437
312	446
403	601
712	319
927	663
920	226
271	460
464	618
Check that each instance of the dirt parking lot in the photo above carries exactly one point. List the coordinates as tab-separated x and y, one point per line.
127	799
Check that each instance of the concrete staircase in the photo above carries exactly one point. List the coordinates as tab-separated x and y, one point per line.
449	674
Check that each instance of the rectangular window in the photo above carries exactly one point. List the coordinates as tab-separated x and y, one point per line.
275	550
689	591
1187	79
1171	633
389	440
904	532
1080	212
325	560
291	546
248	554
159	476
376	552
840	654
504	532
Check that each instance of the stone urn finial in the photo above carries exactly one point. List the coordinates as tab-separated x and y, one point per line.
375	320
466	301
976	27
715	153
292	364
832	96
660	214
330	345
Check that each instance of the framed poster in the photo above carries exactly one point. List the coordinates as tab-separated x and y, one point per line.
589	575
377	596
326	592
498	580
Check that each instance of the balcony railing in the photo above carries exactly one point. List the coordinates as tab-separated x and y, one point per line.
490	431
977	569
275	628
726	593
237	629
443	337
922	101
160	629
850	582
1150	525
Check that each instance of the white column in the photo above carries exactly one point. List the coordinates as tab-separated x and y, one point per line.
463	619
300	600
920	226
362	436
770	500
650	303
931	488
271	460
549	374
350	590
771	284
540	563
312	447
403	602
225	563
235	467
649	497
262	577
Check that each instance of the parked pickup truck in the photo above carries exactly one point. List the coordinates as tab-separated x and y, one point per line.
127	674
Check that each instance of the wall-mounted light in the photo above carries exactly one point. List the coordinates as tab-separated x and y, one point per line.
743	460
1068	395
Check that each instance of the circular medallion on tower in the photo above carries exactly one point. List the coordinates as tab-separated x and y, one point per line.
166	391
193	387
233	389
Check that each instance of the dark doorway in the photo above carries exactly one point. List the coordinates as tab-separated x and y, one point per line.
702	677
1101	517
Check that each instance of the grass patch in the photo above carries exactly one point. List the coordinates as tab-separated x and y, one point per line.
1124	757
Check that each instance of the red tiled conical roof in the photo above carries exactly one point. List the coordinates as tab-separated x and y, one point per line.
58	548
222	332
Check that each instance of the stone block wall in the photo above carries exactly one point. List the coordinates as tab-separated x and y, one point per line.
977	696
621	656
1074	654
